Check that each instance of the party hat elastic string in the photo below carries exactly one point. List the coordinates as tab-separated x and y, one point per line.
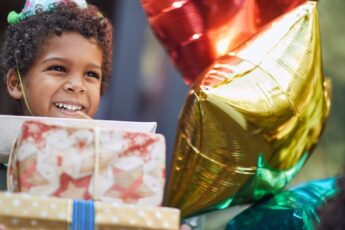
23	90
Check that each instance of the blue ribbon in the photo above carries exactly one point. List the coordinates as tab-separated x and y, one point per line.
83	215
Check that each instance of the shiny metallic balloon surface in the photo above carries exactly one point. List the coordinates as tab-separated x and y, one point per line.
267	97
197	32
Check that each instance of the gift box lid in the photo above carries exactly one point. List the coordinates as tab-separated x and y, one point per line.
12	125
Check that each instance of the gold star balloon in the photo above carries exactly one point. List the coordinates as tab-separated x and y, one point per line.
196	32
252	118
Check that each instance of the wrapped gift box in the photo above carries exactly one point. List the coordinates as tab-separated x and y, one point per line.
88	163
23	211
12	125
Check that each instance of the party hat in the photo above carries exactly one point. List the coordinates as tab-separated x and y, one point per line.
33	7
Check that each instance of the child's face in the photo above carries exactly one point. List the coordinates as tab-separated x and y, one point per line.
66	77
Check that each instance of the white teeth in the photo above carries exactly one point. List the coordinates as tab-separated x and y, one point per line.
72	108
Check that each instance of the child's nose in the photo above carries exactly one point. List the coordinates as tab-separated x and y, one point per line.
75	84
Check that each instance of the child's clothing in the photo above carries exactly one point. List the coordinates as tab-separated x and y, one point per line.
3	169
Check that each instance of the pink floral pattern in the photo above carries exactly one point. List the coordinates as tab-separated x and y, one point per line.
58	161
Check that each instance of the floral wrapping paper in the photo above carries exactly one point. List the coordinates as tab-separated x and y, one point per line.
23	211
88	163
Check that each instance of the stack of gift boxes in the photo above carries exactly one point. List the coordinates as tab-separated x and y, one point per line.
85	178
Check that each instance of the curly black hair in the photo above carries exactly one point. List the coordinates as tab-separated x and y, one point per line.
23	41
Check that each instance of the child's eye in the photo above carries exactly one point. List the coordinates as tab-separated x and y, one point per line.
93	75
57	68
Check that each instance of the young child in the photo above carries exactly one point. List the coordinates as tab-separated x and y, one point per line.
56	57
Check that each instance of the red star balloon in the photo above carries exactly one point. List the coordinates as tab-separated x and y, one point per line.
196	32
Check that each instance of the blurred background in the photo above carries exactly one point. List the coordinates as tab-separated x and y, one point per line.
146	87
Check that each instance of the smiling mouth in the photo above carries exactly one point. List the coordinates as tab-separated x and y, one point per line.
68	108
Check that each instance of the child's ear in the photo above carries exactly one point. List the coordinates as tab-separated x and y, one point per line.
13	84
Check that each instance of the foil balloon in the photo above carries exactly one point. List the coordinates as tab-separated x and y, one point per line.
295	208
292	209
195	33
252	118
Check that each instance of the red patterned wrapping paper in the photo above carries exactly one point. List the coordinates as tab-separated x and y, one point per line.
88	163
